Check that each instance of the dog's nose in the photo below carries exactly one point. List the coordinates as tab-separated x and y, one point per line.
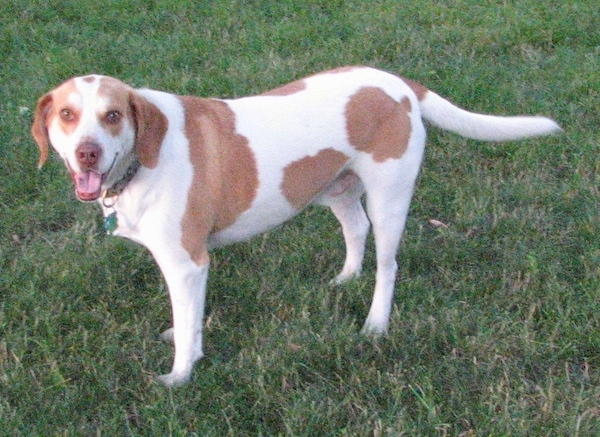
88	155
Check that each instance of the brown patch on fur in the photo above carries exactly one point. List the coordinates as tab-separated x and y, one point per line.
305	178
150	126
117	94
48	108
300	85
89	79
419	90
288	89
377	124
225	179
61	102
39	127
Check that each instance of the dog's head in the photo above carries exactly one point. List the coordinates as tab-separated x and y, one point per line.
98	125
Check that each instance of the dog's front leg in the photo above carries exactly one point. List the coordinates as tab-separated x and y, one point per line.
186	281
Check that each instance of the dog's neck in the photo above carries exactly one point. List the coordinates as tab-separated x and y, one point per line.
117	188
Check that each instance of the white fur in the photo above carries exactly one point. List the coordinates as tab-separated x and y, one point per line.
443	114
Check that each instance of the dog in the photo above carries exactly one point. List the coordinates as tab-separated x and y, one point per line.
182	175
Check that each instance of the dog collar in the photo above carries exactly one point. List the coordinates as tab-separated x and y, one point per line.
110	221
118	187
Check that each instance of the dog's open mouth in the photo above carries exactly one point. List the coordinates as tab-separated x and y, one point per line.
88	185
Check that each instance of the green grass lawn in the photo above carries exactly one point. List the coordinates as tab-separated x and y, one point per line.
496	324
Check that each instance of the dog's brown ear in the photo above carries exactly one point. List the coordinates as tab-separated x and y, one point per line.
39	128
150	129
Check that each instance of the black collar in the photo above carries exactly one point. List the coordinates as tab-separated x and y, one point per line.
118	187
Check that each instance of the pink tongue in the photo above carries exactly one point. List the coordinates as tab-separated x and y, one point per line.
89	182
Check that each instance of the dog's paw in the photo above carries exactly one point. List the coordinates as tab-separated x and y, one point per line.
375	330
168	335
344	277
172	379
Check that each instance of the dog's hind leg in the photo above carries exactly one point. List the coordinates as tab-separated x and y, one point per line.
389	191
343	198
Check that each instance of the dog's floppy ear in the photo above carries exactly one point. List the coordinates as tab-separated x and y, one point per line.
39	128
150	129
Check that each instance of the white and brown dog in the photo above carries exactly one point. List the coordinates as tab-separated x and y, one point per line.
182	175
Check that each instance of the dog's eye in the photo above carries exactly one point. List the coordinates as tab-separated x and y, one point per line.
67	115
113	117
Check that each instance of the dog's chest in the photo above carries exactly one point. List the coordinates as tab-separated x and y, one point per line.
150	208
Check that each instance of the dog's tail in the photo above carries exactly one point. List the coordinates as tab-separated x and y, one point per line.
443	114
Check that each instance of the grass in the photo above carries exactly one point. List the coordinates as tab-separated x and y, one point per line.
495	330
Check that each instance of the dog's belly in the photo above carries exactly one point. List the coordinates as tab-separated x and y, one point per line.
267	212
256	220
273	208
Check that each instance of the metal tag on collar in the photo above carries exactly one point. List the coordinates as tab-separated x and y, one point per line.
108	194
110	223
